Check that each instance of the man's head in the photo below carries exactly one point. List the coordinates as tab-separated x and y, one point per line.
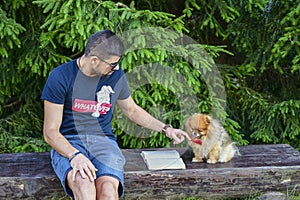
103	52
104	44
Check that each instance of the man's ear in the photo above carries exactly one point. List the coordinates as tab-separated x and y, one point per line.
94	60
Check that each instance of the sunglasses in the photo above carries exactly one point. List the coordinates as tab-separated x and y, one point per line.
112	65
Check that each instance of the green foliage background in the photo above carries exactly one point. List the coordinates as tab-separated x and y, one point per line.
255	45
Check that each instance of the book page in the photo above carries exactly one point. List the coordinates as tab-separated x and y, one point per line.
167	159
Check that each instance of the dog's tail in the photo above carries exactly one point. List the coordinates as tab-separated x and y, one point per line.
237	151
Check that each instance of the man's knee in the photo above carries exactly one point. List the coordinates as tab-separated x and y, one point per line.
107	189
81	186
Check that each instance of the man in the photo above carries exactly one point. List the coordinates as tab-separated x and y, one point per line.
79	98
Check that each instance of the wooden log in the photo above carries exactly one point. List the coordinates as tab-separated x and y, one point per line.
211	183
260	169
28	176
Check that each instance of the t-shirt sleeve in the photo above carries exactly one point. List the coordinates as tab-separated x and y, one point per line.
55	88
125	92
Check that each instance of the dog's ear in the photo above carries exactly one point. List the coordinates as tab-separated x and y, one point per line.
187	123
208	119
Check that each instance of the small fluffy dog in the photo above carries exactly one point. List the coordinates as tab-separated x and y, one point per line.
209	141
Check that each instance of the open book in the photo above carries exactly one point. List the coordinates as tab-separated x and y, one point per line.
165	159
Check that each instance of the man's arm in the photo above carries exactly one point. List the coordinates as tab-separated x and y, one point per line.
141	117
138	115
52	121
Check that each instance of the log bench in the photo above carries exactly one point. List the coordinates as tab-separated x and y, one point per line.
260	169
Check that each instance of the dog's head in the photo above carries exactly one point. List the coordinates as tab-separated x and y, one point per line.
197	126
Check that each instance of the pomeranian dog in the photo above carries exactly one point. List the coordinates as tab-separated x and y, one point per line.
209	140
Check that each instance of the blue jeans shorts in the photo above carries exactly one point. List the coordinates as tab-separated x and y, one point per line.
103	152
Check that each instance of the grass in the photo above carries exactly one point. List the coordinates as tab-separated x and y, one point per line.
291	196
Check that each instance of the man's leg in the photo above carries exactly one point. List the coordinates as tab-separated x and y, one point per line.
107	188
82	188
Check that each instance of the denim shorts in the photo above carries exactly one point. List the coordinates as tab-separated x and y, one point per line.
103	152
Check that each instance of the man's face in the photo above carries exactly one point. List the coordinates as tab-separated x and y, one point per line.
105	67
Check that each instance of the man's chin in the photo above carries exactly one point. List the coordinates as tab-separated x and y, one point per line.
110	73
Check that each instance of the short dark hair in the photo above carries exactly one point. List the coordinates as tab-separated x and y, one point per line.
104	44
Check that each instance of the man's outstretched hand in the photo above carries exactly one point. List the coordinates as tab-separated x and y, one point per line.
177	135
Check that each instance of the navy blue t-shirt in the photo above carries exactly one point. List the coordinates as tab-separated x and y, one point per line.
88	101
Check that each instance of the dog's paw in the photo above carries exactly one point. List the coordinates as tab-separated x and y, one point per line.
197	160
211	161
222	161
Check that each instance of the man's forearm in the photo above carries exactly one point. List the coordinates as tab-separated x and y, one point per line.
58	142
143	118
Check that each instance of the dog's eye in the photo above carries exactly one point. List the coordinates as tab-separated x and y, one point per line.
200	130
195	134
